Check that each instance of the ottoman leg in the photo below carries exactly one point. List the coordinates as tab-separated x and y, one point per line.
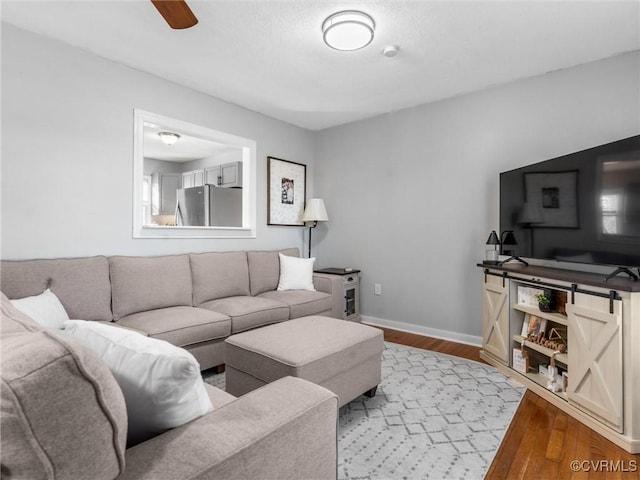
371	392
219	368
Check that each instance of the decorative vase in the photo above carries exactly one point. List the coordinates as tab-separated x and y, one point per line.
544	308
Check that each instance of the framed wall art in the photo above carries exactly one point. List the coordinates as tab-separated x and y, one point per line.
286	192
555	196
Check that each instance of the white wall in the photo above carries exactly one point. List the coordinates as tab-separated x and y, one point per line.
67	152
413	195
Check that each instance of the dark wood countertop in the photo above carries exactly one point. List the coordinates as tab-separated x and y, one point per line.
337	271
621	282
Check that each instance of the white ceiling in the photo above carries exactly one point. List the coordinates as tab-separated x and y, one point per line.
187	148
268	55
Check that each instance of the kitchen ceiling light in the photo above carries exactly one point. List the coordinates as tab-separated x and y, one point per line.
348	30
169	138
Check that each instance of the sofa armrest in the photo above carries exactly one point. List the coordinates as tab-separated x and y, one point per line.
331	284
285	430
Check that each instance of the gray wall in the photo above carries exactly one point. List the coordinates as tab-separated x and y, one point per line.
226	157
413	195
67	152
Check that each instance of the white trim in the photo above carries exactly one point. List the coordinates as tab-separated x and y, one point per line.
425	331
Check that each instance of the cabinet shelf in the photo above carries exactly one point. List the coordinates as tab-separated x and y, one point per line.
560	357
542	381
554	317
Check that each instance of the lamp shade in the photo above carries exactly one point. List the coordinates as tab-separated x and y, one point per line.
493	238
315	211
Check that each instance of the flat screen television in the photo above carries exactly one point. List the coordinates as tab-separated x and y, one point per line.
583	207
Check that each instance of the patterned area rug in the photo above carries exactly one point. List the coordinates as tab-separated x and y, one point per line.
434	416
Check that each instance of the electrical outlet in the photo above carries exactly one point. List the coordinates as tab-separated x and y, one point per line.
377	289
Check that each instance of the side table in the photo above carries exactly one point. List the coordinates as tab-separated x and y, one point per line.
351	286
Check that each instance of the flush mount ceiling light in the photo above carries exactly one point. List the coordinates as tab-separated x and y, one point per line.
348	30
169	138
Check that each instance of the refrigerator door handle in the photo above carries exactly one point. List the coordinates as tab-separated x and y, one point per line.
207	205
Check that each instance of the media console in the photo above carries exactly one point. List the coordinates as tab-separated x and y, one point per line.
594	345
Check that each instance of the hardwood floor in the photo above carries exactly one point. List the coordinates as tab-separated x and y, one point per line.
435	344
542	441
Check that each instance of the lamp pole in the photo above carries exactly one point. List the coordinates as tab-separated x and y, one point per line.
315	212
314	225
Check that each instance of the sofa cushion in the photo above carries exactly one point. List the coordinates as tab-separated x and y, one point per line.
81	284
161	383
147	283
249	312
63	414
180	326
301	302
264	269
45	309
219	275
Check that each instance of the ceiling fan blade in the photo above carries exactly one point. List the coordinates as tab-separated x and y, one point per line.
176	12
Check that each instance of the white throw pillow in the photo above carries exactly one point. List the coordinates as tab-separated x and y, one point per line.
161	383
45	309
296	273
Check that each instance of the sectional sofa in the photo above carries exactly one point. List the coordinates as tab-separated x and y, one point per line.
194	301
64	413
64	416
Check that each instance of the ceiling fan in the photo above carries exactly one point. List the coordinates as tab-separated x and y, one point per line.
176	12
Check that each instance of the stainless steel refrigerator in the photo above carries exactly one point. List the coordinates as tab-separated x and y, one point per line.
209	206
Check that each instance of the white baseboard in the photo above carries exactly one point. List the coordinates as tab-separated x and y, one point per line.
426	331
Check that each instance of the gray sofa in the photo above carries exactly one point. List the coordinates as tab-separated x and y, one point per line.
194	301
64	417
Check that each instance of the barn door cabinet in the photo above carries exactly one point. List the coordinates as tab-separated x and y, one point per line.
595	353
495	319
591	338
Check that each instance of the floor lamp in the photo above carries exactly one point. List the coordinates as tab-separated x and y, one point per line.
315	212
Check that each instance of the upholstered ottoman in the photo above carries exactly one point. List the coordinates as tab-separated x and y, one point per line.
342	356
